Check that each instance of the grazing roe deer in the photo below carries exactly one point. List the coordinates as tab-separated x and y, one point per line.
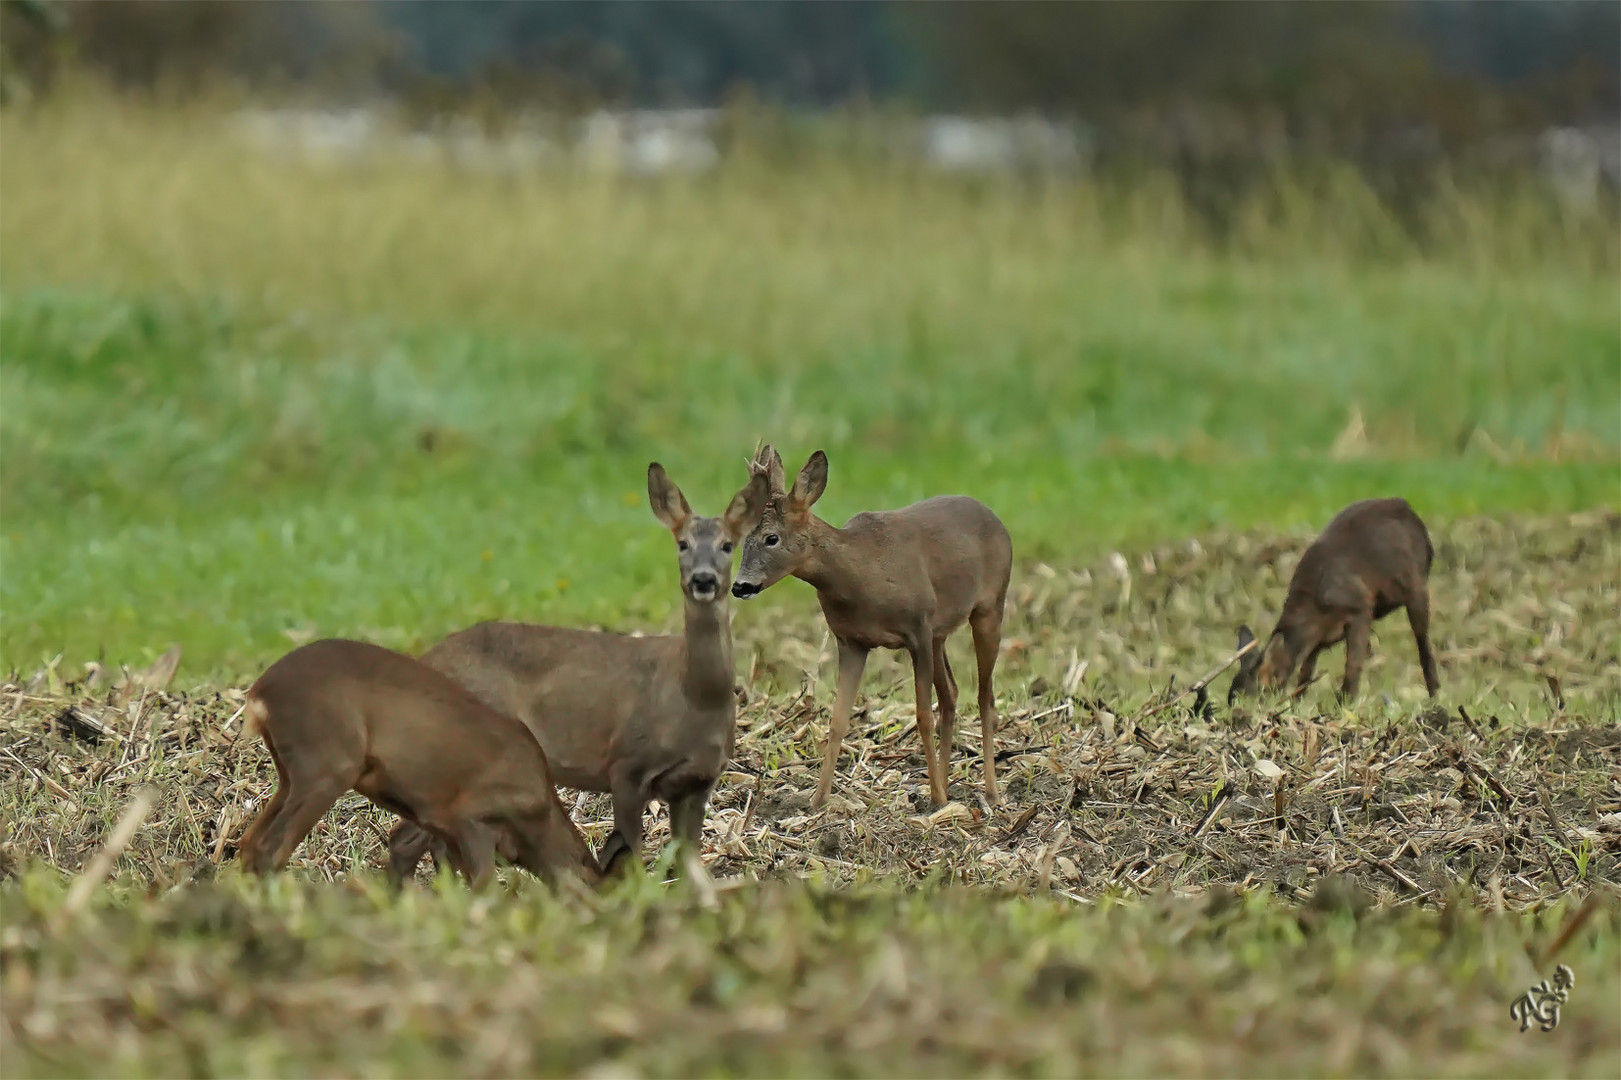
891	579
639	717
1373	558
339	715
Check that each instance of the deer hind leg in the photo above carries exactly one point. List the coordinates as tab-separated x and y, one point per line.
248	845
986	624
945	691
306	802
1357	646
923	680
471	847
407	843
1418	617
852	662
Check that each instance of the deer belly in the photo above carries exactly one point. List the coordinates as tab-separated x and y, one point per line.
580	771
867	636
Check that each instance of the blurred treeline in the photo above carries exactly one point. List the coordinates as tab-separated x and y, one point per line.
1413	95
1328	72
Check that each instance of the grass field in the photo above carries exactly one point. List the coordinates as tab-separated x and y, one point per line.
246	400
244	397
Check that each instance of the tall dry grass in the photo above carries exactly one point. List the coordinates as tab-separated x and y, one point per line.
110	194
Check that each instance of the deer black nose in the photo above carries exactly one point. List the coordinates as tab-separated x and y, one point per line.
744	589
705	583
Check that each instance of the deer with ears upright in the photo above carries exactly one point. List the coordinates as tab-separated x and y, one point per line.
639	717
1373	558
891	579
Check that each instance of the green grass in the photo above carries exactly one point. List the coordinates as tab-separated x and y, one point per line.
780	980
213	473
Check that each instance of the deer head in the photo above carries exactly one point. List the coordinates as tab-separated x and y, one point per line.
1261	669
705	543
781	542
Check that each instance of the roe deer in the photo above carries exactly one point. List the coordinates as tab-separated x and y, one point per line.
639	717
339	715
1373	558
891	579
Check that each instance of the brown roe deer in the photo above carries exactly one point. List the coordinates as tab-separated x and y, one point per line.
891	579
344	715
1373	558
639	717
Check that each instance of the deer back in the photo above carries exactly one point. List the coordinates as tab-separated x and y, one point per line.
964	547
588	696
349	702
1376	550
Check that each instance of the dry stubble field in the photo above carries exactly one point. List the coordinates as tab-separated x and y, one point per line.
1434	851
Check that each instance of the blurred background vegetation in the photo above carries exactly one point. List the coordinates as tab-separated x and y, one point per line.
365	317
1407	90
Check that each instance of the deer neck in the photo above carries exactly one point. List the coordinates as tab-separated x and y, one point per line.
1291	631
829	566
707	679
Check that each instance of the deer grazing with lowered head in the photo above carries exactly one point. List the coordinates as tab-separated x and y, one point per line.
1373	558
344	715
890	579
638	717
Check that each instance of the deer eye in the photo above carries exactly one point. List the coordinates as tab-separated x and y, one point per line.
682	545
773	540
726	547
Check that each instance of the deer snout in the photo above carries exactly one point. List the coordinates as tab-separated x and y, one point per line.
744	589
704	585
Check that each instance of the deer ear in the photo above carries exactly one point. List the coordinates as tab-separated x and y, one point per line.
669	505
776	473
810	484
747	505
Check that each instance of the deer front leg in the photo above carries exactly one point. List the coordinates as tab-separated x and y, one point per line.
624	844
852	662
687	829
923	680
1356	652
1308	669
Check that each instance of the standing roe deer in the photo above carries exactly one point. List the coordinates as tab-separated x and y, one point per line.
891	579
339	715
1373	558
640	717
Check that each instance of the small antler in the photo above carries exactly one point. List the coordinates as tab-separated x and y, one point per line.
760	463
